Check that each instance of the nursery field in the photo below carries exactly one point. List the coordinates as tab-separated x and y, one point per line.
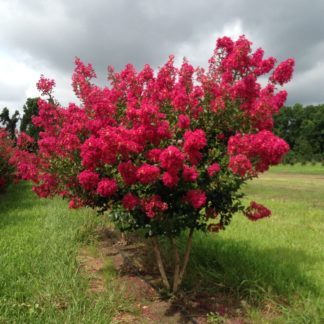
270	271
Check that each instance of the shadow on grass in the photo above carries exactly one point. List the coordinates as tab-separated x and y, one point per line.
15	201
254	273
224	277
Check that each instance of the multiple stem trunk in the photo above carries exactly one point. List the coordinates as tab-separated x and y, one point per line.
179	268
160	263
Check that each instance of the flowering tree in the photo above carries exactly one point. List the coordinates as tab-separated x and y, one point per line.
166	152
6	152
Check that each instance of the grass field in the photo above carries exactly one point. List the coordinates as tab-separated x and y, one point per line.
39	277
276	264
274	267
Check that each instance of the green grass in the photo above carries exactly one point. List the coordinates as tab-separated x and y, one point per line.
278	260
40	281
298	168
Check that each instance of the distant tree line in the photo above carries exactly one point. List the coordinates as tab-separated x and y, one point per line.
303	129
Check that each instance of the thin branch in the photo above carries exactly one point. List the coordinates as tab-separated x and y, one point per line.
186	257
160	263
176	265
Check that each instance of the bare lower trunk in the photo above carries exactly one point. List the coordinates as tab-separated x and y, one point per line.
179	269
176	264
160	263
178	280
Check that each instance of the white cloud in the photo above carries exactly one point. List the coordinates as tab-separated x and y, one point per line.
18	82
201	48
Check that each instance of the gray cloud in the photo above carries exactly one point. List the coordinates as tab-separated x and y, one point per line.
117	32
10	92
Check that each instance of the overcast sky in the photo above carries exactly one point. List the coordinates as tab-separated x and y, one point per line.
44	36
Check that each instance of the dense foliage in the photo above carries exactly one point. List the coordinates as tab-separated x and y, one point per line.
303	129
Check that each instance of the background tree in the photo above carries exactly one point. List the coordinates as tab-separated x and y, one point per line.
9	123
30	110
303	129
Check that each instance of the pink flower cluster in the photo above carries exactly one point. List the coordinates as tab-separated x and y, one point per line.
88	179
196	198
263	148
166	142
256	211
153	205
283	73
107	187
45	85
213	169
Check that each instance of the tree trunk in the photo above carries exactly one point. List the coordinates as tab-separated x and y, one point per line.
179	270
178	279
160	263
176	264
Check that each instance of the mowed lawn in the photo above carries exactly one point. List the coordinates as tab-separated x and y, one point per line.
274	267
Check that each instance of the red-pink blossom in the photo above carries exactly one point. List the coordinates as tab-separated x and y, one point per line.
24	141
283	72
196	198
170	179
130	201
264	147
45	85
75	203
183	121
88	179
107	187
213	168
225	43
153	205
147	173
194	141
240	164
190	174
128	172
171	159
154	155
